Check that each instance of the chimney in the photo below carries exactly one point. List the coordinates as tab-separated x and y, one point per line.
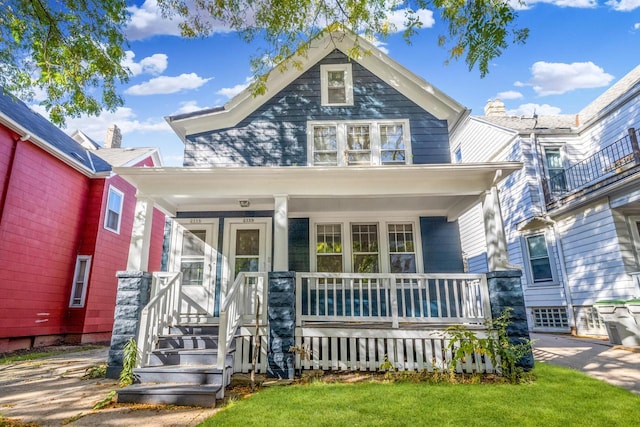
113	138
494	108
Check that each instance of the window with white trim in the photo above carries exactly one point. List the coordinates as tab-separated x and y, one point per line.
80	281
361	247
539	260
348	143
113	213
402	252
336	84
555	169
329	248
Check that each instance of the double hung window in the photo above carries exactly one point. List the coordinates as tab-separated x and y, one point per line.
113	214
345	143
364	249
337	84
539	260
80	281
555	169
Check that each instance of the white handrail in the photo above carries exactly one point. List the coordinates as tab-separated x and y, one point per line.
161	312
444	298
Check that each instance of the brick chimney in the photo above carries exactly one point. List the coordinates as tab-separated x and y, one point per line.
494	108
113	138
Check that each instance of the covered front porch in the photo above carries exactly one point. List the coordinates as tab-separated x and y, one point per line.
335	268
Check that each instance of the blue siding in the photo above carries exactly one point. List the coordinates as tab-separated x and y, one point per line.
275	134
441	249
299	245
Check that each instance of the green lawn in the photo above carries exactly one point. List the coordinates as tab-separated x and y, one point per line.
559	397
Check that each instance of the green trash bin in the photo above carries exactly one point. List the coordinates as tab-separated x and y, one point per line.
621	324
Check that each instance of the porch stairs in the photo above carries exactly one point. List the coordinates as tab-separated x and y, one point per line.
181	370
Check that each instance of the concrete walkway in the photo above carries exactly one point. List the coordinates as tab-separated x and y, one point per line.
51	391
619	366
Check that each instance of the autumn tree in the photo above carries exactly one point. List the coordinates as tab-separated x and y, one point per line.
72	51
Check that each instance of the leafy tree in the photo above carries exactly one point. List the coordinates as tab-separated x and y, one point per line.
73	50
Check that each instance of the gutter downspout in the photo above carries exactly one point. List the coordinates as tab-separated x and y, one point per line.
9	173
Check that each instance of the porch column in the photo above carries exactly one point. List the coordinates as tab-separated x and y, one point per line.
281	233
497	254
141	236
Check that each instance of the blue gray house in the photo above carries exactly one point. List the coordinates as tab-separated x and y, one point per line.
326	211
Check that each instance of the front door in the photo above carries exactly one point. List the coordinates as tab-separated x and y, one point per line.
194	255
247	246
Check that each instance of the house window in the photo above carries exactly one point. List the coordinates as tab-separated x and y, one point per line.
555	169
80	281
402	253
113	214
359	143
457	155
550	317
329	248
539	259
392	144
364	241
337	84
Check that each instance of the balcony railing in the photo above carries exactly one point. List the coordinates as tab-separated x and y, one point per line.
609	162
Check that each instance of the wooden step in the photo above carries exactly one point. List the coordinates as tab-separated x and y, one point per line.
188	341
187	356
182	394
194	330
193	374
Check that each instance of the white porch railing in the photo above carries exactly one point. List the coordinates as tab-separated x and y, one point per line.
239	308
392	298
161	312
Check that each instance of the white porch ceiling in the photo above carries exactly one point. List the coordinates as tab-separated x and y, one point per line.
443	189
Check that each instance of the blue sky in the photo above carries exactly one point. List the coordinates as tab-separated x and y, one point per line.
575	51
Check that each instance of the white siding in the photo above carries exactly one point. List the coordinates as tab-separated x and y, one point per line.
479	141
473	241
594	262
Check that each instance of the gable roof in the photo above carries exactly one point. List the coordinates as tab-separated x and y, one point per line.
406	82
627	86
538	123
84	140
128	156
31	126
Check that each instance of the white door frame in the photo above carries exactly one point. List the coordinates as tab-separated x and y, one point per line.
264	224
204	297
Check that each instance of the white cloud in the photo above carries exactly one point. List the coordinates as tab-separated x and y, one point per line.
147	21
164	85
623	5
529	109
636	26
509	94
96	126
581	4
397	18
230	92
154	64
187	107
555	78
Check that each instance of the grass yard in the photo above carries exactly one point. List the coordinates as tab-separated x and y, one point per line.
559	397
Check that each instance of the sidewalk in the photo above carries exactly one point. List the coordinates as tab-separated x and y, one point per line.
50	392
616	365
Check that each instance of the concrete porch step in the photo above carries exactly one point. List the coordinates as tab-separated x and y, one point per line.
188	356
193	374
183	394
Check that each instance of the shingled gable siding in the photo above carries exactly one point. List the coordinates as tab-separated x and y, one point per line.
440	245
275	134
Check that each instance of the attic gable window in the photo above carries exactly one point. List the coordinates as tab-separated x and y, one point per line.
337	84
359	142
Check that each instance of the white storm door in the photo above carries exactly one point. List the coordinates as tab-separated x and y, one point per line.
247	246
195	256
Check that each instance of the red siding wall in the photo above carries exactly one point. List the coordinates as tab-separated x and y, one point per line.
39	234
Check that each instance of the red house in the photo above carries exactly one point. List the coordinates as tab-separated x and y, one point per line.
65	229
